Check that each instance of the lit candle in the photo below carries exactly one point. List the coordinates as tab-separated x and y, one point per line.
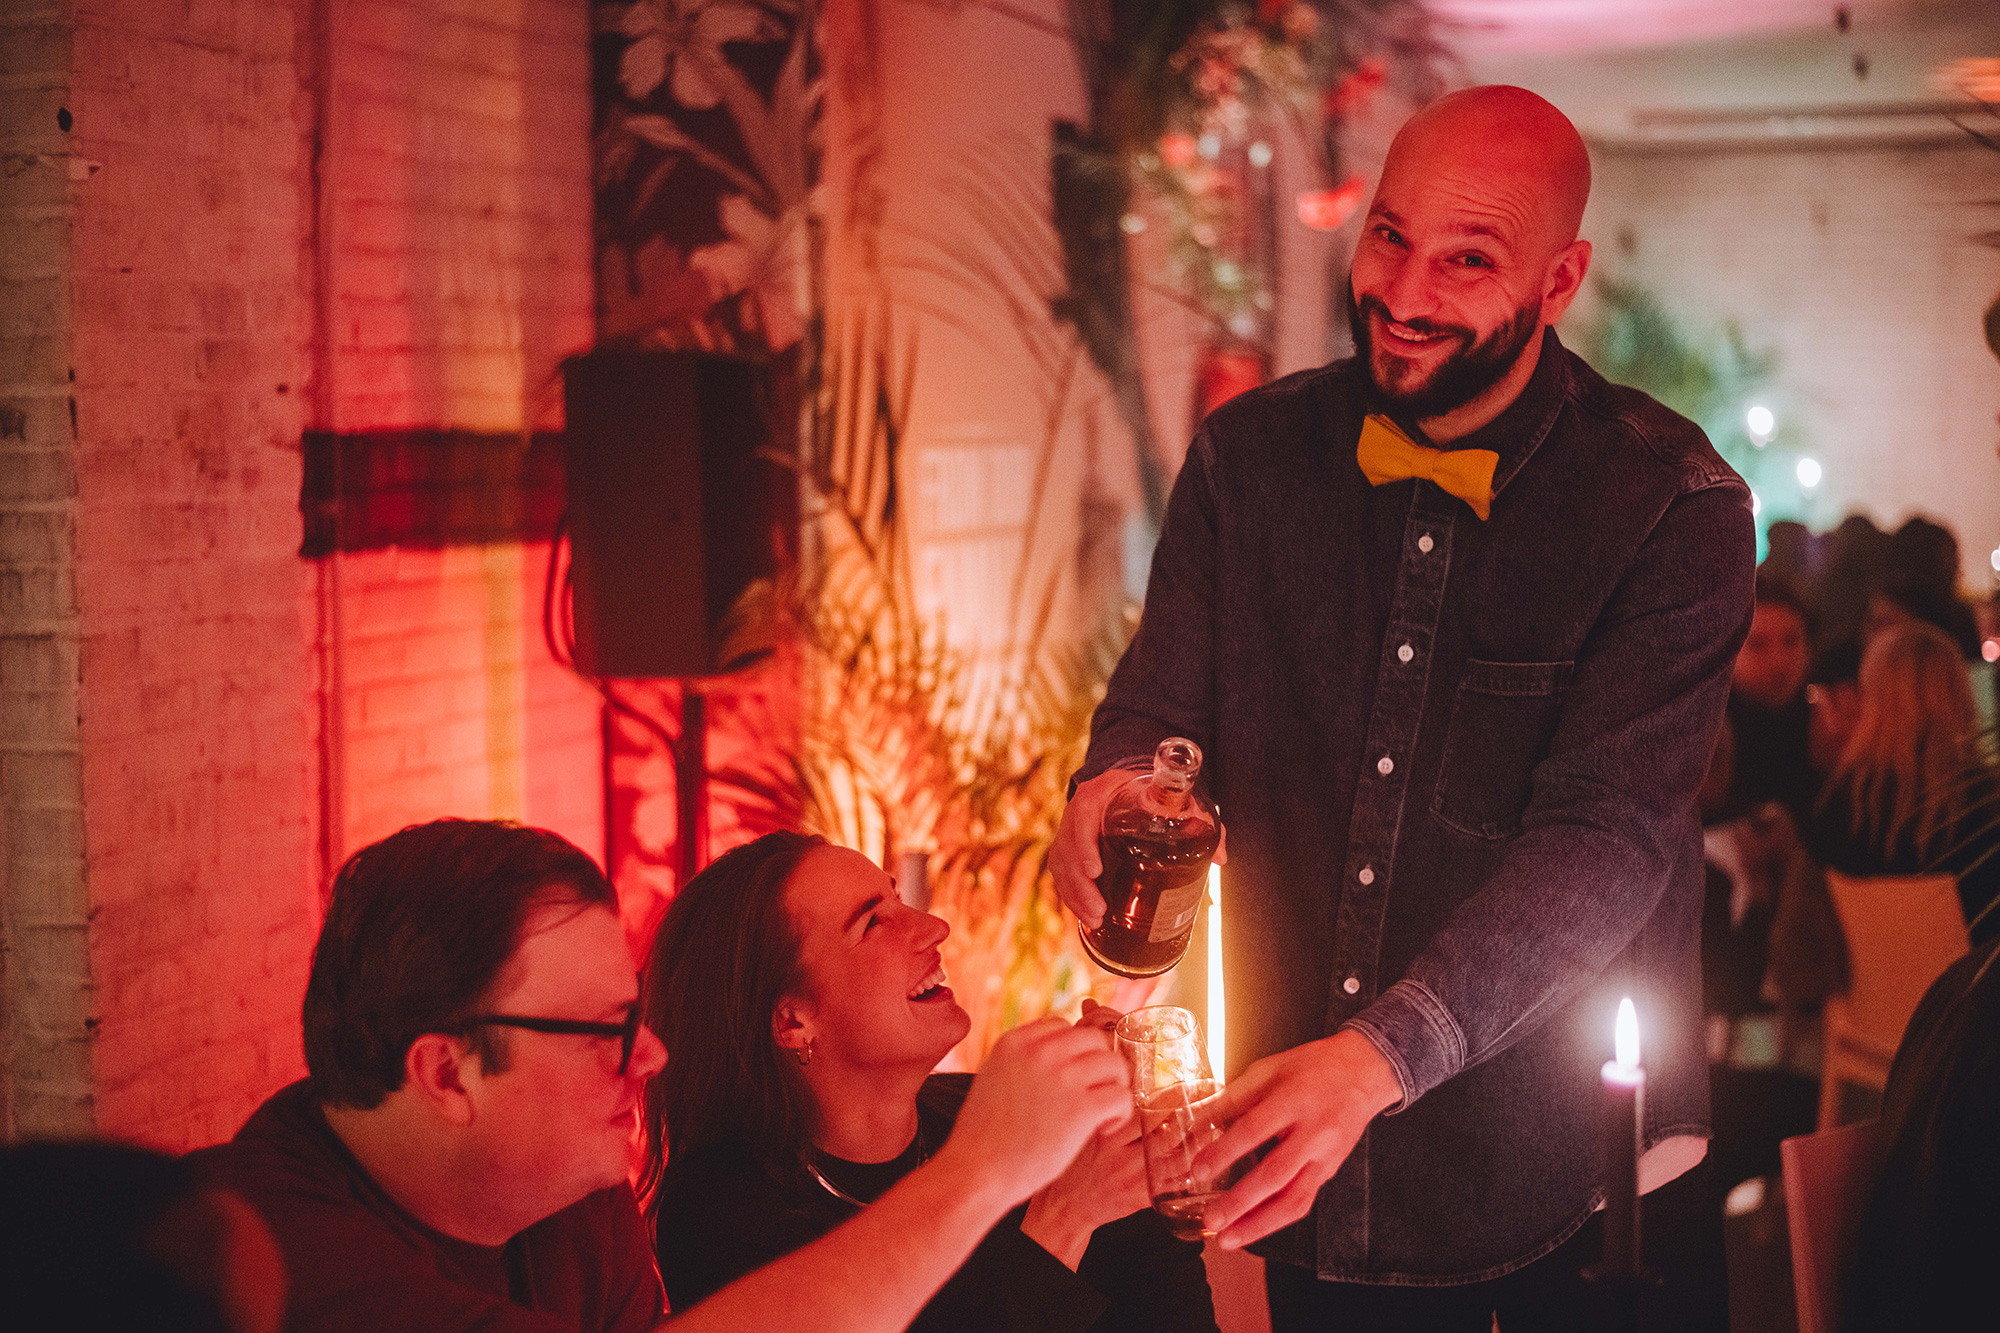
1624	1108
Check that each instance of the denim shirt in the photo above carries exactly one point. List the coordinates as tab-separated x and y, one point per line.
1457	761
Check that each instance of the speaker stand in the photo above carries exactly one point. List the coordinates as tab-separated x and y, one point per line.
691	782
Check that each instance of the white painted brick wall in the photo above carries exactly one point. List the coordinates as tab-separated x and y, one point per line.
461	189
1857	267
45	991
152	557
191	357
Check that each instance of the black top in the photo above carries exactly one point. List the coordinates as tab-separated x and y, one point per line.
721	1214
1773	758
1927	1242
1971	850
1458	761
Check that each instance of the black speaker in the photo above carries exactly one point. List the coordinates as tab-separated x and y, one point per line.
683	510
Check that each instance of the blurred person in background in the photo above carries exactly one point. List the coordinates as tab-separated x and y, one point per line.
1932	1225
1833	693
1911	793
1855	554
1768	712
1920	583
1791	556
1770	942
106	1236
806	1008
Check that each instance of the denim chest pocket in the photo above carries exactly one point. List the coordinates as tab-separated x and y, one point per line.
1501	724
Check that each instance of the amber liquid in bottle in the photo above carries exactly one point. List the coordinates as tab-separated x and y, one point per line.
1156	842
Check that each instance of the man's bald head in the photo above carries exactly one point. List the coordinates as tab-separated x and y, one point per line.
1524	152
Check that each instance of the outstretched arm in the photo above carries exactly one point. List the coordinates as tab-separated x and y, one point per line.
1045	1089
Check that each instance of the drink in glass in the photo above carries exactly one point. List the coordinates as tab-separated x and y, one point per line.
1181	1112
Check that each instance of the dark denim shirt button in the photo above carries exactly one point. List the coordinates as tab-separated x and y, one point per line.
1367	875
1405	653
1385	766
1351	985
1424	543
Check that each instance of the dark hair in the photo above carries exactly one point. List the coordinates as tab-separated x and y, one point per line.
92	1236
1839	664
1924	555
1856	553
1939	608
417	932
725	955
1774	590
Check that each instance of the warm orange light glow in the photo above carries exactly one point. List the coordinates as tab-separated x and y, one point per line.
1215	1016
1625	1036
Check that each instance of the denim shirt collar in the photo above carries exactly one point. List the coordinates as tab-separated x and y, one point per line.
1523	424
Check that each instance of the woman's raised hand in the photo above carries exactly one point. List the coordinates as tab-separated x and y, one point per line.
1045	1091
1107	1180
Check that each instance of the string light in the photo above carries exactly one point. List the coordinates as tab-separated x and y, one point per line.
1809	472
1756	504
1762	423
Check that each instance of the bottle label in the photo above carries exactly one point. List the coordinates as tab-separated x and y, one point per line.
1174	914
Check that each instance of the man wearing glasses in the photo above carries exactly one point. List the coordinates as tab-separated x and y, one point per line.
458	1156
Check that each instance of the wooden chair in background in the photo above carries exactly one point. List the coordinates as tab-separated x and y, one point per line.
1902	932
1828	1178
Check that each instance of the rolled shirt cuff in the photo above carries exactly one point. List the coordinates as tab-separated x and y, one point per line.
1416	1034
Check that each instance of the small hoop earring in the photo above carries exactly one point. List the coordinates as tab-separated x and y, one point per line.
804	1055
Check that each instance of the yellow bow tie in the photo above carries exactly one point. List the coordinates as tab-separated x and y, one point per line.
1386	455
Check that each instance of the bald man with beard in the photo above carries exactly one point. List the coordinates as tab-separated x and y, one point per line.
1453	621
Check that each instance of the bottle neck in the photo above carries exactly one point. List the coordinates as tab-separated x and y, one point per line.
1165	799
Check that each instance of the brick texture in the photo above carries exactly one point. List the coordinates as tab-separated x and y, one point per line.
1857	267
191	353
161	684
460	184
45	985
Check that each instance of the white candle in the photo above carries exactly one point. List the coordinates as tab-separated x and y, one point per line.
1624	1109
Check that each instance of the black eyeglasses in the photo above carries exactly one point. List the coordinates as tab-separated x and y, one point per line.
627	1032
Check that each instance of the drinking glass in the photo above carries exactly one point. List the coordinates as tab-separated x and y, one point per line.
1181	1112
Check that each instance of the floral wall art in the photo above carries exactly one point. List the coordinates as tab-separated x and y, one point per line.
703	113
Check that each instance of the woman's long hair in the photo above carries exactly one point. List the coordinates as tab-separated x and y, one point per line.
1909	771
725	955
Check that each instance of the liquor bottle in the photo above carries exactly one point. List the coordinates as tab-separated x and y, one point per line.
1156	841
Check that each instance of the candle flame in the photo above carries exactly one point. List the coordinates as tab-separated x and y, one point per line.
1625	1035
1215	1016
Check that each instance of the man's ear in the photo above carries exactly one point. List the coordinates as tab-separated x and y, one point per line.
436	1069
792	1025
1566	274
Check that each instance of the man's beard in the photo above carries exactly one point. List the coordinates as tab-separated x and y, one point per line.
1476	366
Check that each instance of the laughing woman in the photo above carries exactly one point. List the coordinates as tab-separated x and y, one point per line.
804	1007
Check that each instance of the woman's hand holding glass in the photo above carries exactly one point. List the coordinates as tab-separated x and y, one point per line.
1042	1094
1105	1182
